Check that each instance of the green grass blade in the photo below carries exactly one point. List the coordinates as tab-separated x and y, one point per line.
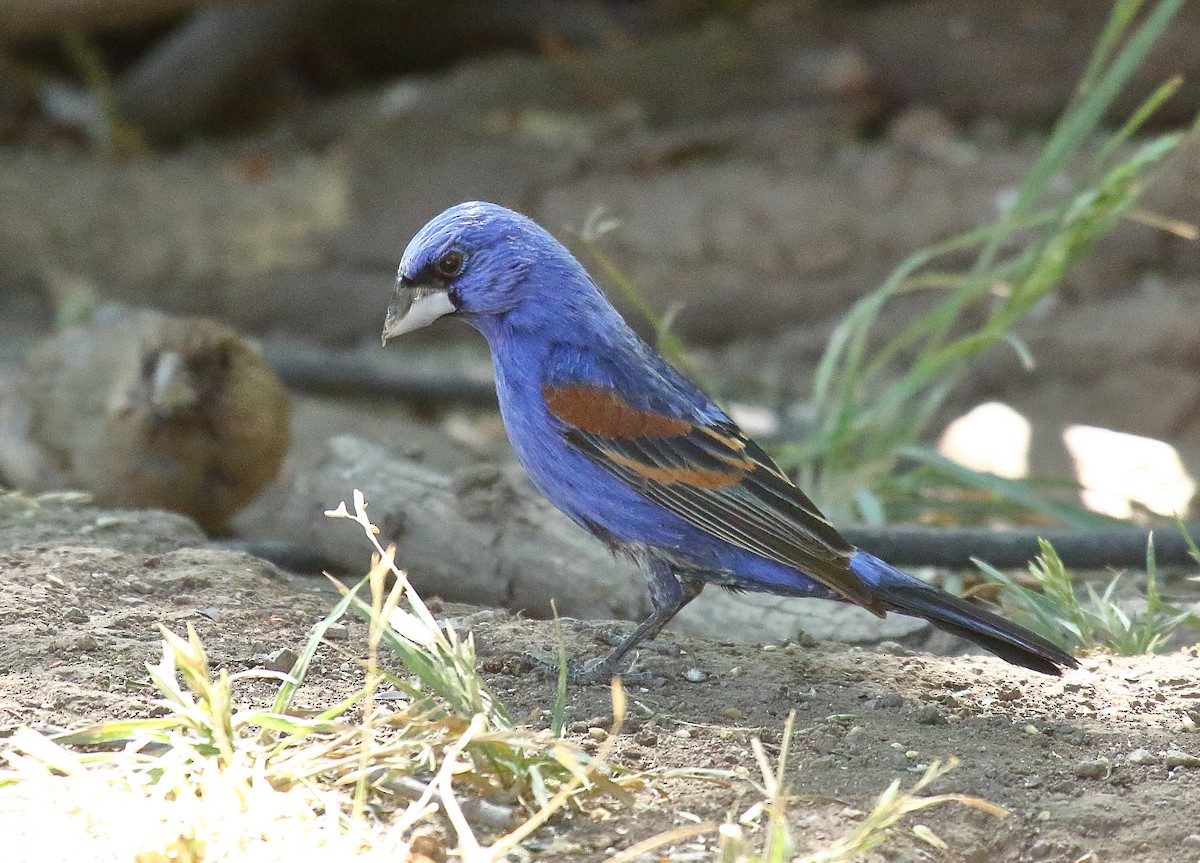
1118	22
1016	491
287	690
118	731
1079	123
558	715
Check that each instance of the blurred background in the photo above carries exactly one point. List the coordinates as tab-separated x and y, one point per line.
738	175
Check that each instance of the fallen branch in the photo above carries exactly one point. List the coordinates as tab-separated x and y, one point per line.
953	548
315	369
483	535
22	18
221	57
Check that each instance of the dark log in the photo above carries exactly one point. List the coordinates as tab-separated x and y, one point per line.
1016	60
953	548
484	536
315	369
218	63
24	18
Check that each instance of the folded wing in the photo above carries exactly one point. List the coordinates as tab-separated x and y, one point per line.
705	470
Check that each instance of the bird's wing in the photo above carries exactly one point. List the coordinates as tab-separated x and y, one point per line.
661	435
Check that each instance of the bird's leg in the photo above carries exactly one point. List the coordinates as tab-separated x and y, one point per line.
668	594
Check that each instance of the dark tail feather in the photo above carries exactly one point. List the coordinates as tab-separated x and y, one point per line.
908	595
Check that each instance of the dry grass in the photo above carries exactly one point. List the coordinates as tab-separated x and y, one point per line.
440	770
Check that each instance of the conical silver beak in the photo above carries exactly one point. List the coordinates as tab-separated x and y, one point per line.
413	308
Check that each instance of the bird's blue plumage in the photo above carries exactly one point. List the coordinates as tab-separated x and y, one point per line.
635	452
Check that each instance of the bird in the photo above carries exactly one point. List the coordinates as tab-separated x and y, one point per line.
634	452
144	409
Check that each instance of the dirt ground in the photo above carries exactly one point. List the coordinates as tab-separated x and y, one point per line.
761	194
1102	764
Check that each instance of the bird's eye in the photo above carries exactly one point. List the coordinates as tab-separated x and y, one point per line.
450	264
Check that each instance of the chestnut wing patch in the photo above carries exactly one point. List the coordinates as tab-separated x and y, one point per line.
712	476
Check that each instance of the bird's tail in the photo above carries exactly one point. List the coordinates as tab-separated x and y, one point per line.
908	595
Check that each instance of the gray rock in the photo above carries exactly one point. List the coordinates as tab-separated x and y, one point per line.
1098	768
1174	759
280	660
1143	756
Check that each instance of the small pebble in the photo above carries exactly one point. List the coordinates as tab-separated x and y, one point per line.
645	737
890	701
337	632
1192	840
1043	849
429	844
693	675
1142	756
929	714
87	641
733	713
75	614
1175	759
912	753
684	734
280	660
1096	769
598	734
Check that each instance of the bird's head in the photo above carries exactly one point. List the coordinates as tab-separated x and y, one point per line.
170	386
173	383
481	262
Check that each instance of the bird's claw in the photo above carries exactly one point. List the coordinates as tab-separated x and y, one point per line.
592	671
615	637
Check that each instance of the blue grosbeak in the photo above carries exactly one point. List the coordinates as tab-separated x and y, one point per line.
636	453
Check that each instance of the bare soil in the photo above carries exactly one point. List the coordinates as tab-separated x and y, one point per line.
764	218
78	622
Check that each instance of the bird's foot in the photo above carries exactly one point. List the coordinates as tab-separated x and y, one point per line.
592	671
615	637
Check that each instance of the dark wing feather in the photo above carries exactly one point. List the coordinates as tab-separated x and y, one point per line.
712	476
